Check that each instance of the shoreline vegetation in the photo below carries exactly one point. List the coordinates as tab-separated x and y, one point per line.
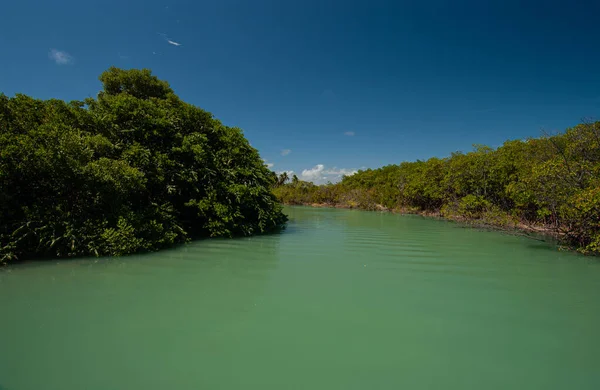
135	169
548	186
521	229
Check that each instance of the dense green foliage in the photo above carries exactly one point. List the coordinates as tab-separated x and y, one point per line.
135	169
550	182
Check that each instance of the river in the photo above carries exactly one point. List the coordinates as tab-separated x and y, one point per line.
341	299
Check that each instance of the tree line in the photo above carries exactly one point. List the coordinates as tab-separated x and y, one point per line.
135	169
550	182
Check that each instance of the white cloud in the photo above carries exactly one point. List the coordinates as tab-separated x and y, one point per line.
321	175
60	57
349	133
285	152
313	173
341	172
169	40
289	173
270	165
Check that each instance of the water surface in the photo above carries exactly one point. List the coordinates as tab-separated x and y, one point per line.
341	300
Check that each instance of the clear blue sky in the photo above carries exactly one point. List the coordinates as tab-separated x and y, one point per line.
344	84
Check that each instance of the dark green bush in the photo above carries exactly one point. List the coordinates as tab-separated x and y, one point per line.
136	169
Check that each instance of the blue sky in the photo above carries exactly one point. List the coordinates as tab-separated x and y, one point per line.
328	87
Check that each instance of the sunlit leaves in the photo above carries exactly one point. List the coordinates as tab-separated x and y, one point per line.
136	169
549	181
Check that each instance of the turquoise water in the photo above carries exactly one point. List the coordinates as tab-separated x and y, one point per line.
340	300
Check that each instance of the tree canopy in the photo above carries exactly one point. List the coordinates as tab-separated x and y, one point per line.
135	169
552	182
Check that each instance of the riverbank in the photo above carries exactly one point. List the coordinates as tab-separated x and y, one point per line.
522	228
548	185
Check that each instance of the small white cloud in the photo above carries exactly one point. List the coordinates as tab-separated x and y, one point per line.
349	133
285	152
289	173
268	164
320	175
313	173
60	57
169	40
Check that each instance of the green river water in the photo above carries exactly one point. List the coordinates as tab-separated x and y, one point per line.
341	299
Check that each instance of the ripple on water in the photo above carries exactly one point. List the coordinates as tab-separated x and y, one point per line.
340	299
